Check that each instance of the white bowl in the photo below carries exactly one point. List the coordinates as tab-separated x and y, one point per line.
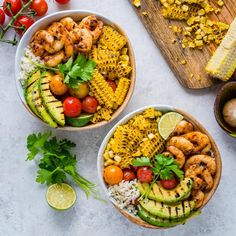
163	108
78	15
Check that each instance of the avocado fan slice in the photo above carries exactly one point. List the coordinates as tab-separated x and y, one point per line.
161	222
163	210
28	91
53	105
160	194
36	99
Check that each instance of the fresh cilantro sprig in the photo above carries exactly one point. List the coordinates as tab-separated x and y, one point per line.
78	71
56	162
162	167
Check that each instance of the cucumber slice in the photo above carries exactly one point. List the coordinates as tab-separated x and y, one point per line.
79	121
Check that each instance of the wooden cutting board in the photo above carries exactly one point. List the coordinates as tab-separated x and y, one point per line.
191	75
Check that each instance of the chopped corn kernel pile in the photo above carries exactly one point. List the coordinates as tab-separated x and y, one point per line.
200	29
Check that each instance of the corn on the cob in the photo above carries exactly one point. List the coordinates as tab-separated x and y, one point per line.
101	90
102	114
111	39
106	60
223	63
121	91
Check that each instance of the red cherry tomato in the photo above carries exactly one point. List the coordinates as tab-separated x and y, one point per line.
169	183
90	104
2	17
112	84
62	1
40	7
128	175
72	107
145	174
25	22
15	6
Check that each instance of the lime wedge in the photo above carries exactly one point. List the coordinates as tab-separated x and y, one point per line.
167	123
60	196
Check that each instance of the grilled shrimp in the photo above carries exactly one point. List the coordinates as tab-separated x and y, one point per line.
60	33
177	154
202	178
198	196
84	40
55	47
202	160
183	127
182	144
68	23
200	141
55	59
93	25
41	40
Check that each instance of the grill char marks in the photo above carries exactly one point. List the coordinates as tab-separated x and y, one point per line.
160	194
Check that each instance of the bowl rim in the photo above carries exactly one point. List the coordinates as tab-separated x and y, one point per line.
63	13
217	108
163	108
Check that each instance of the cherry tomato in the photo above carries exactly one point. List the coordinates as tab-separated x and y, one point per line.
113	174
25	22
90	104
62	1
128	175
2	17
169	183
112	84
145	174
81	92
57	86
40	7
15	6
72	107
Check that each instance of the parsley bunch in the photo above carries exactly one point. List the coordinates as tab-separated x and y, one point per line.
79	71
56	162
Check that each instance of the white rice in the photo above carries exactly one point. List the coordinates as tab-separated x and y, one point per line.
125	193
26	65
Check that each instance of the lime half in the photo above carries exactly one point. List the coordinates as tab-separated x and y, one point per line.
167	123
61	196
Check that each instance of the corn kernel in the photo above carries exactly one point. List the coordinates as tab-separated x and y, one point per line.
137	3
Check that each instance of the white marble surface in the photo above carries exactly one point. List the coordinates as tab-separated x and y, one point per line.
23	209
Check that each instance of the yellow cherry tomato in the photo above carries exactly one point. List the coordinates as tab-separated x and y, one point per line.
113	174
81	92
57	86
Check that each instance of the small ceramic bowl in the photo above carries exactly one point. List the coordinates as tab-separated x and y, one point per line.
226	93
163	108
77	15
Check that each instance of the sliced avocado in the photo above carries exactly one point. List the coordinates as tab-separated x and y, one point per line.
79	121
157	221
160	209
161	222
53	105
160	194
36	99
28	89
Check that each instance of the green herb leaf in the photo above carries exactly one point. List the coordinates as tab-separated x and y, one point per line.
177	171
166	174
141	161
56	161
79	71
